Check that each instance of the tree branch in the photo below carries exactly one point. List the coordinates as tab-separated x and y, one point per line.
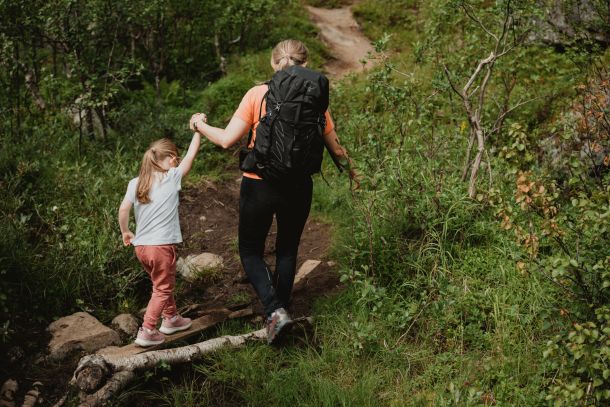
474	18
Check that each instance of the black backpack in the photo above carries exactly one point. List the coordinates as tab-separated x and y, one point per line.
289	140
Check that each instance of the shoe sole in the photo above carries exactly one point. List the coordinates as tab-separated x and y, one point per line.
169	331
145	343
279	334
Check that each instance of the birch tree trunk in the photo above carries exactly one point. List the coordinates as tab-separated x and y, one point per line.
92	370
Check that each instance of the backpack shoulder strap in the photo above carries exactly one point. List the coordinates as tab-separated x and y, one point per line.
322	125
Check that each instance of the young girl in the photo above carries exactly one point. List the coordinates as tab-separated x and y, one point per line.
154	195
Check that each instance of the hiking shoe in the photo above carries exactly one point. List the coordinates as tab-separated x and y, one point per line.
175	324
149	337
275	323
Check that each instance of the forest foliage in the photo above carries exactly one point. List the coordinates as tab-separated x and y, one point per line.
460	292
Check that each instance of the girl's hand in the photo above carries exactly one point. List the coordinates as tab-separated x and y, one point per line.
196	120
127	238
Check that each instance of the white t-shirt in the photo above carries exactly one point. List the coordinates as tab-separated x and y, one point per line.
157	222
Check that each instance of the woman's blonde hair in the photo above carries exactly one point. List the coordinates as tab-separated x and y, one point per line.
157	152
287	53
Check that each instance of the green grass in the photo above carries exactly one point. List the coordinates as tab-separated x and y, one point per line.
442	316
435	311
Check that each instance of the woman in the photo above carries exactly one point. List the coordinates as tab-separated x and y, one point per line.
260	200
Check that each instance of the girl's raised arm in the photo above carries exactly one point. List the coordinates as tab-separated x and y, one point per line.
224	138
187	162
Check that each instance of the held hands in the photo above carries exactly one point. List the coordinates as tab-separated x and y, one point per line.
127	238
197	121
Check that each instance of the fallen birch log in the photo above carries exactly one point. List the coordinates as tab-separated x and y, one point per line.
92	370
32	396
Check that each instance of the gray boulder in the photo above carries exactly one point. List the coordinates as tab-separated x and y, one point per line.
195	267
79	332
126	324
564	21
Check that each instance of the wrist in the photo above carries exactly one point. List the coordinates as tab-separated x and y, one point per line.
198	125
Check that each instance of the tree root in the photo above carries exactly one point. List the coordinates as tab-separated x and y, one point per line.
105	376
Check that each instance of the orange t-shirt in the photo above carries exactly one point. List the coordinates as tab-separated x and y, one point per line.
249	109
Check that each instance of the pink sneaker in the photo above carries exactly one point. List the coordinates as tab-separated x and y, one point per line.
149	337
175	324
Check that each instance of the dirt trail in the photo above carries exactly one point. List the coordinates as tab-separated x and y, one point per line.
209	214
347	44
210	211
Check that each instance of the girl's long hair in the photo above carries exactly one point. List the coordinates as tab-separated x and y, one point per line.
287	53
157	152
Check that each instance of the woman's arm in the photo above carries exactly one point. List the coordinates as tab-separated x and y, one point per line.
187	162
124	210
224	138
332	143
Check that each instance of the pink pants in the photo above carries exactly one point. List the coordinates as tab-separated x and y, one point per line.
160	263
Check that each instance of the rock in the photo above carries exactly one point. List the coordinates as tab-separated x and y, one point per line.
307	267
79	114
79	332
202	218
331	263
563	22
195	267
126	324
7	393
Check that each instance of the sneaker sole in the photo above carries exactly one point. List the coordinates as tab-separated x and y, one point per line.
169	331
145	343
279	334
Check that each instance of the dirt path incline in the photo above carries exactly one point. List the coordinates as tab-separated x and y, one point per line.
347	44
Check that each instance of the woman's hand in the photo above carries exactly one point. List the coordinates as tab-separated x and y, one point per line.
127	238
197	120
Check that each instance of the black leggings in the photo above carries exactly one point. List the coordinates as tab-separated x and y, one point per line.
259	200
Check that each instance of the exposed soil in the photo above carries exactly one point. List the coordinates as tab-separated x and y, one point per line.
209	218
347	44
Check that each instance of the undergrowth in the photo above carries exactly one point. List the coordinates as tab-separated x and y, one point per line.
497	300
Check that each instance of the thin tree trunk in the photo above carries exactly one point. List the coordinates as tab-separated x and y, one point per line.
476	164
89	120
17	82
100	111
468	153
221	60
32	86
